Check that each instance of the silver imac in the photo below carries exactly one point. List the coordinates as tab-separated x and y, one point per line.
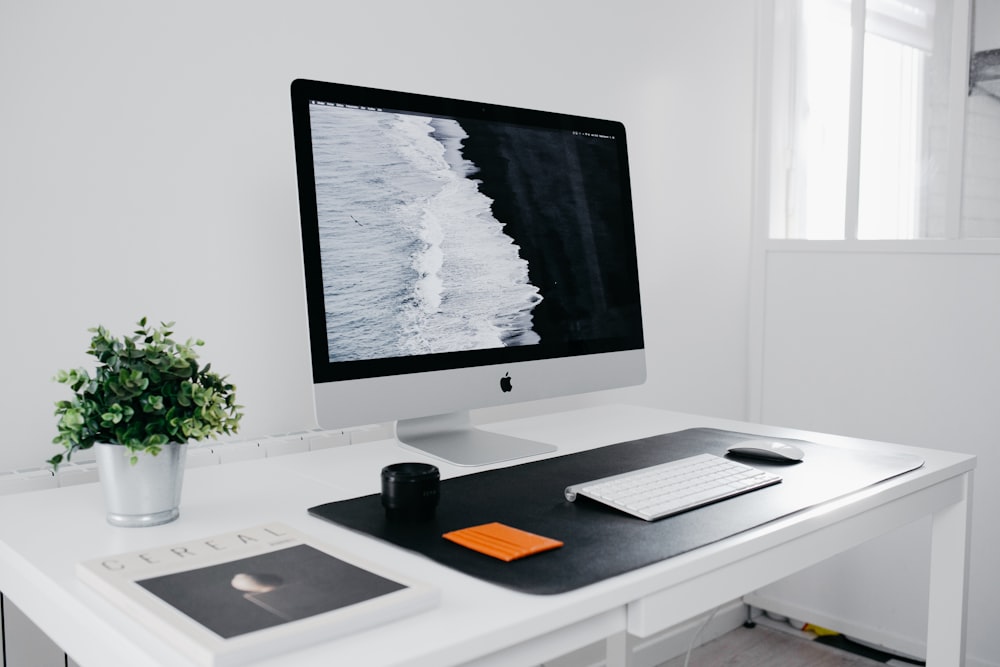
461	255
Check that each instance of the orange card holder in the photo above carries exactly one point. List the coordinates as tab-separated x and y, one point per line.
502	541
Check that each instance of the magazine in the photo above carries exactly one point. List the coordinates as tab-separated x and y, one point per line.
242	596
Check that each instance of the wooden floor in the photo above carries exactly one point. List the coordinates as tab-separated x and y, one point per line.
766	647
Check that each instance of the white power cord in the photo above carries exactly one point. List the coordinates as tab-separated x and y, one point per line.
697	634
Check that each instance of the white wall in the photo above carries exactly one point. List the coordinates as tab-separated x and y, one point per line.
147	169
896	346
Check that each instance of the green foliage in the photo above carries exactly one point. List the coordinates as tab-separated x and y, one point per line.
147	390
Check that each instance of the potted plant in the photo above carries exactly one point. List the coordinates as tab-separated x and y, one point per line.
148	397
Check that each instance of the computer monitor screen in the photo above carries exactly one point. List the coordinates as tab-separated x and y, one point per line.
461	255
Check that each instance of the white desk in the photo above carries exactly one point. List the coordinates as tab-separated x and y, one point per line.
43	534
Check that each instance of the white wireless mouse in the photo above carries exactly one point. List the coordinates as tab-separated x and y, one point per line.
772	450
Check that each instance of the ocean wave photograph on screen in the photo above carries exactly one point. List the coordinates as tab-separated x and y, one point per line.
414	261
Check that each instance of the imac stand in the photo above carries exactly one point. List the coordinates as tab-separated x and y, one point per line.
454	439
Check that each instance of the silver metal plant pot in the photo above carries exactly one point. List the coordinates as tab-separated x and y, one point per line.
145	494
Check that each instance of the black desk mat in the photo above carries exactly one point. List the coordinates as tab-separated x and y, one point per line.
601	542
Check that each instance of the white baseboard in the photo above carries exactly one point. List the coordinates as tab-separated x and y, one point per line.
892	642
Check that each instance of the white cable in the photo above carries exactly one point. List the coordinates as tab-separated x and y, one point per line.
697	634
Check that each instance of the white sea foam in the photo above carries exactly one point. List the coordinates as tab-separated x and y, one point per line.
414	261
451	135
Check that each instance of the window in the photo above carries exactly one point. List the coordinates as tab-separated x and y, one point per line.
861	132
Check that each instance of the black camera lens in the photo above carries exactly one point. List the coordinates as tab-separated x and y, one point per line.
410	491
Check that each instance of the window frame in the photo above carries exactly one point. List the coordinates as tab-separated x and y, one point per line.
773	126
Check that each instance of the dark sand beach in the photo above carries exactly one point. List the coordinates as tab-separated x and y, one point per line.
558	196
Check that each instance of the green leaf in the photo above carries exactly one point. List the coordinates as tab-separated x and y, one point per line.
147	390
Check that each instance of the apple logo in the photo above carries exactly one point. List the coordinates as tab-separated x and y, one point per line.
505	384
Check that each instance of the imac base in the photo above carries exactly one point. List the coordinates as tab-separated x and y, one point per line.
454	439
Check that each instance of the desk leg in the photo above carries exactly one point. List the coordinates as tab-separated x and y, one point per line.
949	582
616	650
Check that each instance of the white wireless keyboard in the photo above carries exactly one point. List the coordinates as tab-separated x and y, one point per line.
673	487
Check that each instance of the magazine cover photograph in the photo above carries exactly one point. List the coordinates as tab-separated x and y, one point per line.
259	591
